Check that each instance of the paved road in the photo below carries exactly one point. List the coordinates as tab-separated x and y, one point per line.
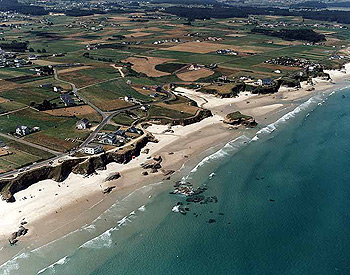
107	116
75	91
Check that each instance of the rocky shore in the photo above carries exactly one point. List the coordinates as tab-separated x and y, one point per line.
82	166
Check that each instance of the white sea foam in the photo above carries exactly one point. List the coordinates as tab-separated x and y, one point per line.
90	227
52	266
142	208
123	221
273	126
105	239
229	147
12	265
101	241
176	209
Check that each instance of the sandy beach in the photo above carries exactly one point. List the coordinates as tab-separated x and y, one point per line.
52	209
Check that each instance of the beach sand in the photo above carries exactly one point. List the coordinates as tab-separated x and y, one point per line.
54	209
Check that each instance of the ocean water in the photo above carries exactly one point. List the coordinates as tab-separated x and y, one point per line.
283	208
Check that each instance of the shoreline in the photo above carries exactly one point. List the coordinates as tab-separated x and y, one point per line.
194	141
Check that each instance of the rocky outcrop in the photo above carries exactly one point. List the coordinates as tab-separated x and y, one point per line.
15	235
199	116
113	176
238	119
82	166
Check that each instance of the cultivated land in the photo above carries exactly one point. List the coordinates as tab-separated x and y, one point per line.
87	52
167	78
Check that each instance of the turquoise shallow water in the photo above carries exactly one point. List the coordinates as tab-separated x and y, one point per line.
283	208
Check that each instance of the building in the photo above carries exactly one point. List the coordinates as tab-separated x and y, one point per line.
264	82
46	85
56	89
109	139
22	130
82	124
93	149
128	98
120	133
67	99
134	130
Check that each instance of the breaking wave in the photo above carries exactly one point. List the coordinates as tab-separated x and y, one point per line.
227	150
273	126
12	264
52	266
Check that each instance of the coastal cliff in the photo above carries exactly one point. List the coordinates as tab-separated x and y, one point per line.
82	166
199	116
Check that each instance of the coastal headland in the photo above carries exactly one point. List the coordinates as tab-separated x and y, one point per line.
79	186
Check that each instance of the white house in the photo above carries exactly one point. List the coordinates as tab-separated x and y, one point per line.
93	149
22	130
82	124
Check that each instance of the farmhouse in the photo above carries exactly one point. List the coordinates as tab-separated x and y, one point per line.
264	82
46	85
82	124
93	149
120	133
109	139
67	99
22	130
128	98
134	130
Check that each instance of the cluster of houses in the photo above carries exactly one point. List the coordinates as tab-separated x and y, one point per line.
293	24
173	40
227	51
92	24
23	130
8	59
118	137
292	62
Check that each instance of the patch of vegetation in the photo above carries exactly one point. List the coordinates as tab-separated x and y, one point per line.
169	67
293	34
237	115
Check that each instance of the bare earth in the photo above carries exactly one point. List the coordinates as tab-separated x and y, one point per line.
147	65
74	69
3	100
195	75
71	111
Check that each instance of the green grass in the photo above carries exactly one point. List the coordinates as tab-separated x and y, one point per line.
123	119
100	93
22	155
29	118
26	95
157	111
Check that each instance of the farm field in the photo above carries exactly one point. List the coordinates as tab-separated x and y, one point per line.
111	58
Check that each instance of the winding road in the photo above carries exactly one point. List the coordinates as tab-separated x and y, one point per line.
106	117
